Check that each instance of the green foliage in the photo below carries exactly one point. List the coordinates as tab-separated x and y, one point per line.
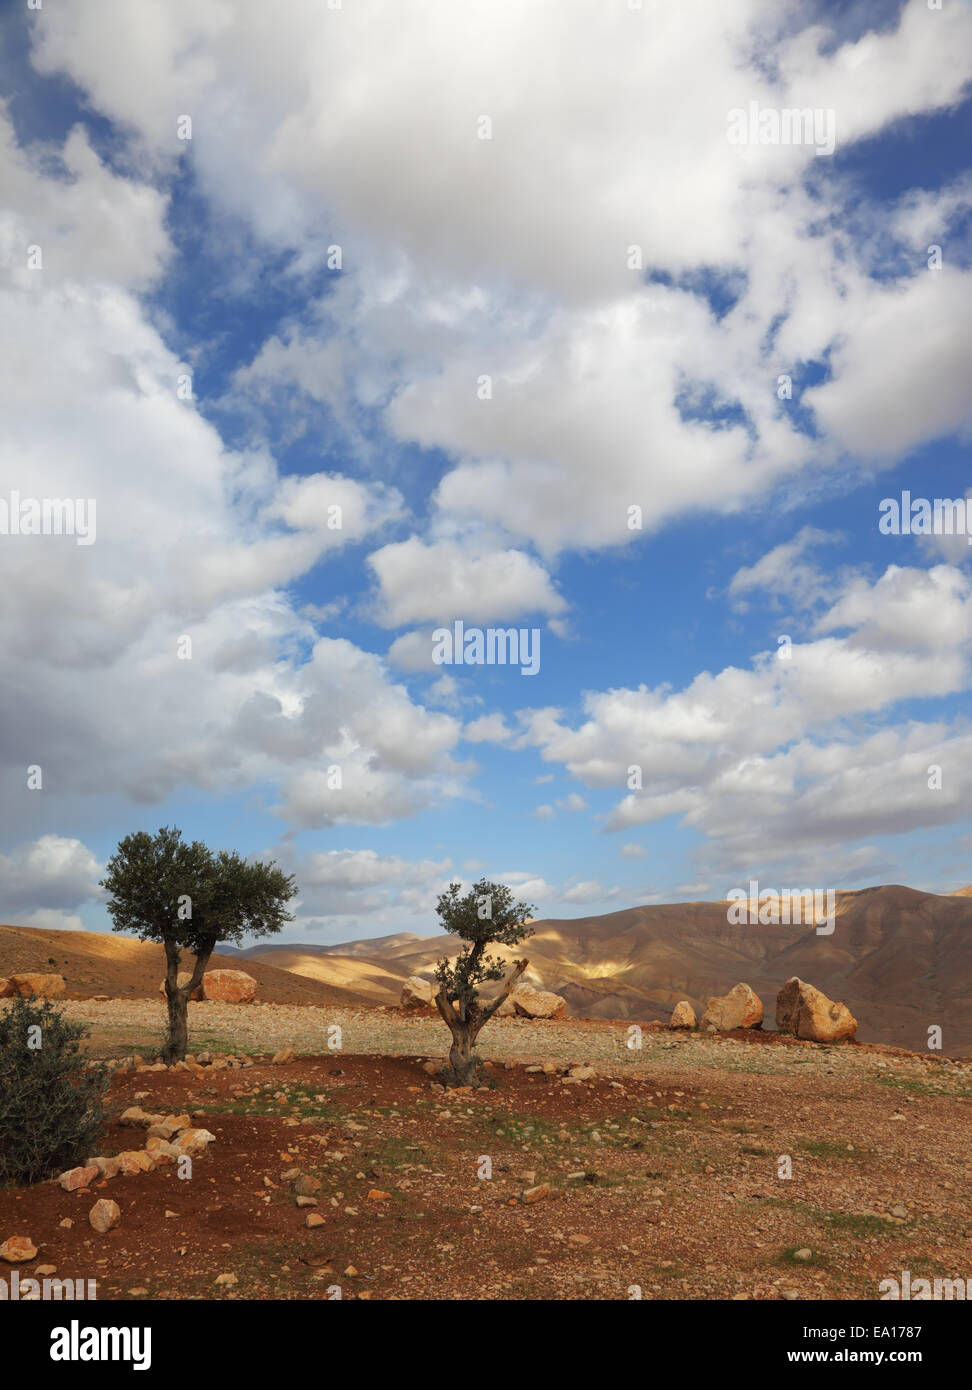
164	889
50	1104
485	916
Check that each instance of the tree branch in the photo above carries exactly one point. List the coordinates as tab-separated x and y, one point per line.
521	965
444	1005
199	969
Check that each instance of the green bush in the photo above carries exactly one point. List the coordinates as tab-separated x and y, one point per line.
50	1103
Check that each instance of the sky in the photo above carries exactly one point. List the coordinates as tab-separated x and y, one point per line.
358	320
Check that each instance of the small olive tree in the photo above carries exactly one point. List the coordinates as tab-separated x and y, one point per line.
163	889
485	916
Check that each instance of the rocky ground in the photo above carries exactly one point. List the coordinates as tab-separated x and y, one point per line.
661	1173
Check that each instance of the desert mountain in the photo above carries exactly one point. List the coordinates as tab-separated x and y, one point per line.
901	959
125	968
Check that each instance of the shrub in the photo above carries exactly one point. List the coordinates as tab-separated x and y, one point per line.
50	1103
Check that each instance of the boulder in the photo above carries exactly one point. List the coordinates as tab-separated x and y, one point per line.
134	1161
537	1003
807	1013
194	1142
7	988
229	986
417	993
183	978
740	1008
104	1215
683	1016
107	1167
74	1178
18	1248
47	986
506	1010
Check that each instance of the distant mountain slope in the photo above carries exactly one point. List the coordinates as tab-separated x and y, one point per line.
901	959
125	968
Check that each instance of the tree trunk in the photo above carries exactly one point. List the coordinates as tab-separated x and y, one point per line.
465	1024
462	1059
177	1043
177	1000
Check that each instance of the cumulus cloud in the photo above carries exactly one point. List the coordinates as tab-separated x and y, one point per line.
445	580
195	545
44	879
770	762
512	256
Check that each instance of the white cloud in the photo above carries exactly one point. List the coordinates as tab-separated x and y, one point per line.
446	580
43	877
489	728
196	541
773	761
508	256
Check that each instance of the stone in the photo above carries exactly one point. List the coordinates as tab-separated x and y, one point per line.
581	1073
804	1254
312	1220
74	1178
107	1167
377	1195
307	1201
229	986
506	1010
7	988
683	1016
306	1185
135	1115
536	1194
537	1003
66	1224
286	1054
417	993
430	1068
104	1215
226	1281
740	1008
807	1013
193	1142
46	986
134	1161
16	1249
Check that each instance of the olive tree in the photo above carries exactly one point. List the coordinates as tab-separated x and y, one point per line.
485	916
163	888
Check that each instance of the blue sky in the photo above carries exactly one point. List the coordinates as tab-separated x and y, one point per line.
611	387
